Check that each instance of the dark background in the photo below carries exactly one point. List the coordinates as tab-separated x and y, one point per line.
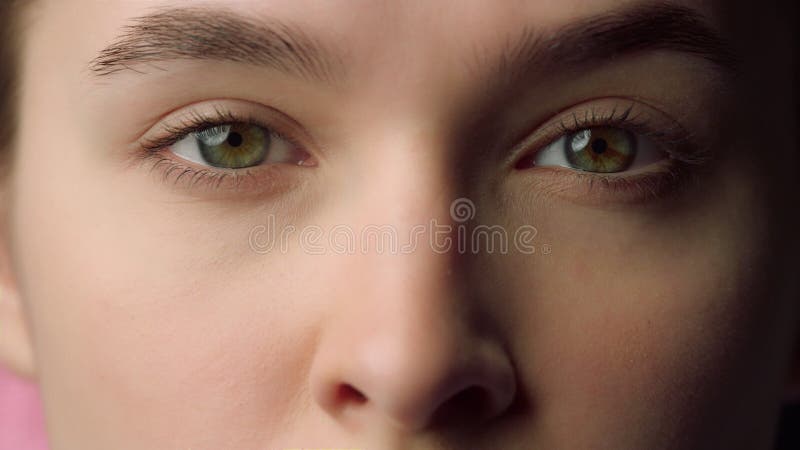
789	428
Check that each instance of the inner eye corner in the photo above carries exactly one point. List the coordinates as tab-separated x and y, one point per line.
525	162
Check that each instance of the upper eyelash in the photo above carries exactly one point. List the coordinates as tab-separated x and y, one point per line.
152	150
195	121
686	156
674	139
592	118
612	118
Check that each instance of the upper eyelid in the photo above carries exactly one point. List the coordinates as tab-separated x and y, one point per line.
639	117
617	114
626	111
183	121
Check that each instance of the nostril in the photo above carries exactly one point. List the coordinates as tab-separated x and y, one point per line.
347	394
469	406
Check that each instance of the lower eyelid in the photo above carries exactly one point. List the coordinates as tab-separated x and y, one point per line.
210	183
278	174
668	178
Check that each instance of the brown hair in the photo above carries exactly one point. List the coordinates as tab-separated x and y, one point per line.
10	42
8	81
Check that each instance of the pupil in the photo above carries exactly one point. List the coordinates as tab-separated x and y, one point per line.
235	139
599	146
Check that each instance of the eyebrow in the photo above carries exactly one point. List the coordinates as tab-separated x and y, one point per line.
601	38
204	33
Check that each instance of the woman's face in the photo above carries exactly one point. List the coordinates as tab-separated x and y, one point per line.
351	224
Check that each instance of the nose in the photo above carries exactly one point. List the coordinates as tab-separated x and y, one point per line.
405	345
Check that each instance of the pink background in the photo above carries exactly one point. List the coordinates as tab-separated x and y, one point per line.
21	419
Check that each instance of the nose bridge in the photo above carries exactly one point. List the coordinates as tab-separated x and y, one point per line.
404	193
407	203
399	343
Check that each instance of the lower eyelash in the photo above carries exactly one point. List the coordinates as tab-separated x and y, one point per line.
684	160
154	150
181	175
672	178
173	172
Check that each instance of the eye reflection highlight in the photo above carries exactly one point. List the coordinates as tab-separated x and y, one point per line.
237	146
601	149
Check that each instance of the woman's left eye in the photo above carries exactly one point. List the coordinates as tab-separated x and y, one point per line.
237	146
601	149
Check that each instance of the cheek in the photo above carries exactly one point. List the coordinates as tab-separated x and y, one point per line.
639	324
154	317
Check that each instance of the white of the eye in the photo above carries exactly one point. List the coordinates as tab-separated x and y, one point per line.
214	135
552	155
280	150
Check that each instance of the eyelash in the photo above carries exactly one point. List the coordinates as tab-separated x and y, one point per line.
152	150
680	169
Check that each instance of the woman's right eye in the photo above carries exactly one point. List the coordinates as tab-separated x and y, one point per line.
237	146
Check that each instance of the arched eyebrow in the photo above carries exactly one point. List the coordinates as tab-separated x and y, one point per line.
216	33
220	34
600	38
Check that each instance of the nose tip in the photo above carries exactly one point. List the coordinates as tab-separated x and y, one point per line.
407	345
466	389
414	387
484	389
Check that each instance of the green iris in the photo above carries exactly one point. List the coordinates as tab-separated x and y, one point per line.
601	149
234	146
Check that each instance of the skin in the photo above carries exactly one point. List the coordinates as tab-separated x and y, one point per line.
638	323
